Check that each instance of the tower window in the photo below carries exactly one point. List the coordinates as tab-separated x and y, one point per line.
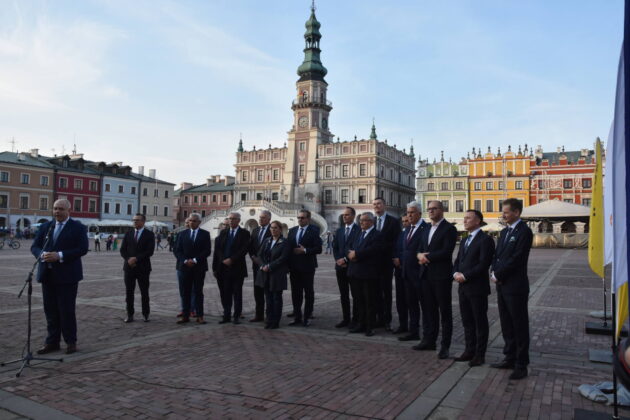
302	146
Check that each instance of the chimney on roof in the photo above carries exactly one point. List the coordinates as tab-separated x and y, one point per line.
229	180
34	152
186	185
152	173
141	170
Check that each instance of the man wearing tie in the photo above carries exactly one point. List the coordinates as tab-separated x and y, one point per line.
192	253
306	244
341	242
411	269
389	227
229	267
509	273
471	271
435	253
363	273
136	250
259	235
59	245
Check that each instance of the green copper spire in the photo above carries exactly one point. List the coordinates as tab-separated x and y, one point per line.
240	144
373	133
411	151
312	67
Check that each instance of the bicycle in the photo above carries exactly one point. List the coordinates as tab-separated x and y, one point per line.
12	243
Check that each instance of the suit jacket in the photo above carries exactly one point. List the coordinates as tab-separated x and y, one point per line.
474	264
278	259
186	249
313	244
143	250
72	242
440	251
389	234
254	245
341	245
510	260
237	251
367	252
407	251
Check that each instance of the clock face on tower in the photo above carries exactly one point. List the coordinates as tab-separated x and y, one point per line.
303	122
324	123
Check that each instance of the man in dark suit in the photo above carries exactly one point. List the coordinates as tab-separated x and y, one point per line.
509	273
136	250
229	267
258	236
192	252
306	244
362	270
341	242
471	271
410	269
435	253
389	227
59	245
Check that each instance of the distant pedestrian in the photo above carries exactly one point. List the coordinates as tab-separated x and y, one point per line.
97	241
329	243
108	243
158	241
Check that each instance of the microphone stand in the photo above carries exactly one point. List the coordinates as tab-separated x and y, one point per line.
26	358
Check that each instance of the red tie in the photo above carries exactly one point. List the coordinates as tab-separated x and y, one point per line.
410	234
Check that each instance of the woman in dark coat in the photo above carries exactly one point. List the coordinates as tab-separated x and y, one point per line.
272	276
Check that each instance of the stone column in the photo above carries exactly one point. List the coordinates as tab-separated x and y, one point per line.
579	227
557	227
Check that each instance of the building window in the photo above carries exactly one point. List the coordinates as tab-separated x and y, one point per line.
63	182
94	186
165	193
156	192
165	211
477	205
185	199
185	214
225	198
489	186
328	171
204	199
24	201
344	196
391	174
274	196
129	208
145	192
567	183
382	172
344	170
586	202
477	186
501	205
518	185
501	186
444	186
26	178
587	183
4	176
301	170
362	195
106	208
214	198
117	208
108	188
144	210
92	206
77	204
445	205
4	201
43	203
568	200
362	169
459	206
244	176
276	174
430	186
243	196
490	205
155	210
459	185
259	196
541	184
302	146
203	213
328	197
259	175
133	190
43	180
121	189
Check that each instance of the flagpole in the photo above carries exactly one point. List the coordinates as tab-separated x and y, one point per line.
614	352
605	316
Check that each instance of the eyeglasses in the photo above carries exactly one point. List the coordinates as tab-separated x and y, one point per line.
302	217
433	208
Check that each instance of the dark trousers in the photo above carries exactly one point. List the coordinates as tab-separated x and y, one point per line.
414	305
436	308
514	327
401	299
383	295
363	294
274	306
142	278
259	295
97	245
302	289
180	283
474	311
192	280
343	281
231	291
59	307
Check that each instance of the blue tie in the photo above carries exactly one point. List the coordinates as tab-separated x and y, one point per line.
299	237
57	231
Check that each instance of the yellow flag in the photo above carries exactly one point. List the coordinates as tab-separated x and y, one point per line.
596	221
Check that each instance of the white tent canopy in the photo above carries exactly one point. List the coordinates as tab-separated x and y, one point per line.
155	223
113	223
554	209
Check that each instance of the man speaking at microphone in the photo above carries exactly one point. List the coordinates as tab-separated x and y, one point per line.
60	244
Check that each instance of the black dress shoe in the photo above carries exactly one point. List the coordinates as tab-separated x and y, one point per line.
424	345
275	326
267	326
401	330
307	323
48	348
409	337
236	320
290	315
443	354
146	318
357	330
200	320
465	357
128	319
183	320
519	373
256	319
388	327
224	320
369	333
295	323
476	361
342	324
72	348
504	364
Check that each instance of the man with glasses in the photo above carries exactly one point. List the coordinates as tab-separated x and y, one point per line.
344	236
136	250
435	254
258	236
306	244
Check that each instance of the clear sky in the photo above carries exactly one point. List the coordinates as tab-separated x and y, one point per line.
171	84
